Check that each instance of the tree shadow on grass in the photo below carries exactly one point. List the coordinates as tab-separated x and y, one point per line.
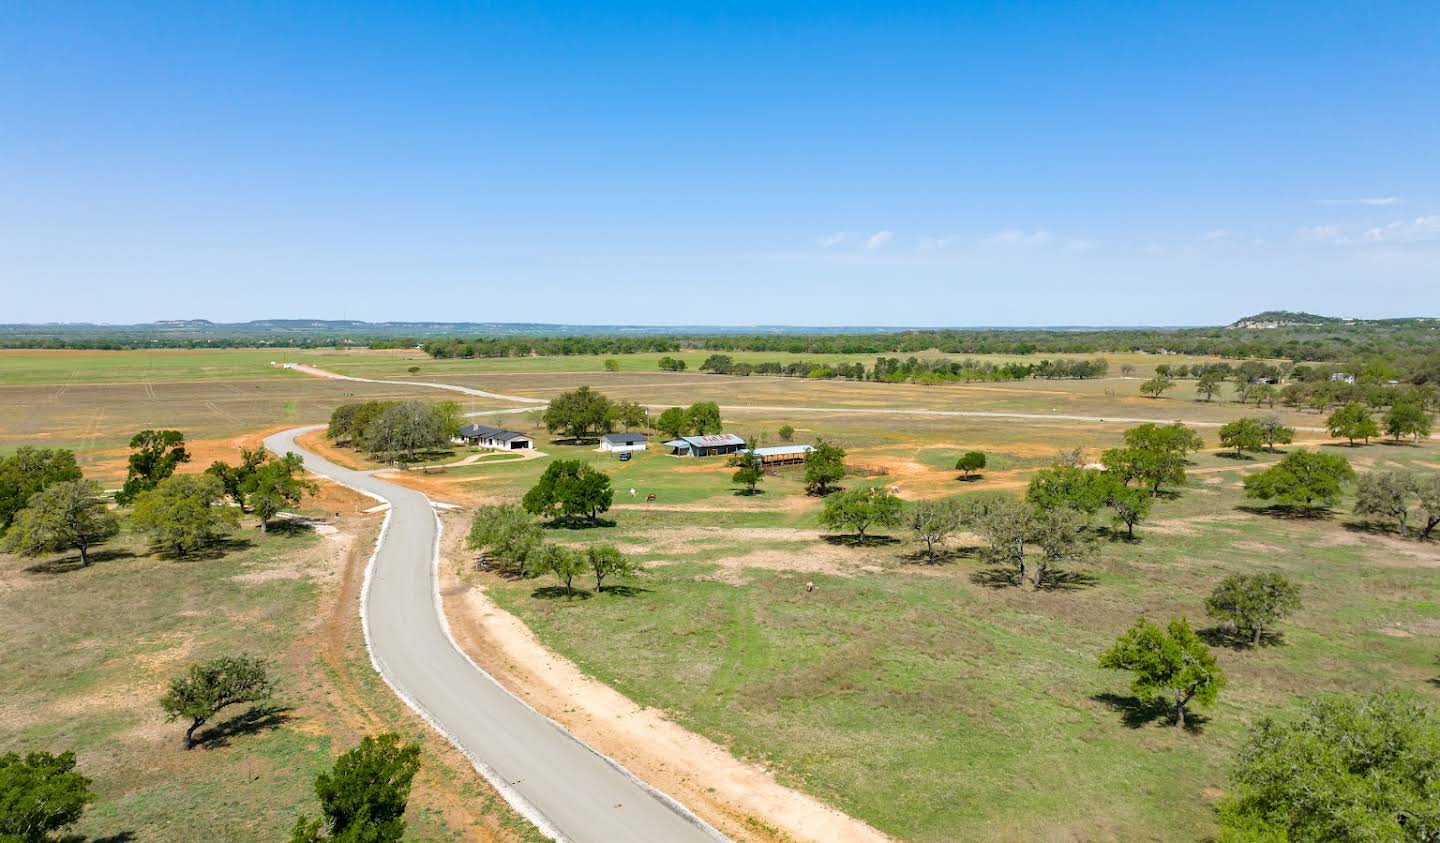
852	540
1289	513
1117	535
748	493
118	837
1232	455
624	590
943	555
996	576
1234	639
1059	579
576	441
292	526
577	522
260	718
559	592
973	478
216	549
1136	713
66	564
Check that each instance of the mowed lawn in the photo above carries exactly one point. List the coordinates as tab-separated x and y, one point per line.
938	707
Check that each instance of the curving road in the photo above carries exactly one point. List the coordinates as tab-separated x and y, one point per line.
569	791
871	411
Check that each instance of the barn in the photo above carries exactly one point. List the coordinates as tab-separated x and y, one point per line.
493	437
705	446
783	454
623	442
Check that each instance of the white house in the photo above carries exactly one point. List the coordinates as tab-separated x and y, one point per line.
623	442
494	437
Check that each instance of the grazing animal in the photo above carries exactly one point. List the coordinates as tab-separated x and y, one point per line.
650	498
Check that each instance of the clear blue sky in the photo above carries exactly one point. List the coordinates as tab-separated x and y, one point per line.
727	163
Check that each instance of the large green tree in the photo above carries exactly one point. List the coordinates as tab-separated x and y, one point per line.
1156	386
1253	602
1170	664
673	422
207	688
510	534
1154	454
861	509
65	515
1387	494
1302	478
236	478
606	560
570	488
1275	432
969	462
565	563
1352	421
703	418
1242	435
1407	418
154	456
184	513
40	793
276	486
26	472
363	797
932	522
1346	770
406	428
824	467
580	413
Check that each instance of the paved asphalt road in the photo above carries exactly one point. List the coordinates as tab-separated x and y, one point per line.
565	788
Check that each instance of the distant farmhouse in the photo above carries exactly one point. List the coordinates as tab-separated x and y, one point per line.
494	437
623	442
705	446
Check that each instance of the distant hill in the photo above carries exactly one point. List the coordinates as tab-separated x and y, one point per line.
1299	319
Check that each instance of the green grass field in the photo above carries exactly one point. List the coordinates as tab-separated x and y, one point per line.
88	652
916	697
940	708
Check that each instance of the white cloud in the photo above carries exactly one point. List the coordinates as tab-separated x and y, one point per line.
1364	200
1216	234
930	243
1017	237
878	240
832	239
1418	230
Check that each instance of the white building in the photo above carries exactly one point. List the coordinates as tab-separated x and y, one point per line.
494	437
623	442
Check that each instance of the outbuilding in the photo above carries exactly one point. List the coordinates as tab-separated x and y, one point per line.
623	442
493	437
706	446
783	454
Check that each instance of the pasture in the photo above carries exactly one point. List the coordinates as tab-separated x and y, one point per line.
924	699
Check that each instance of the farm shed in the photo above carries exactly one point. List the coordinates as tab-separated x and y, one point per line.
623	442
493	437
783	454
706	446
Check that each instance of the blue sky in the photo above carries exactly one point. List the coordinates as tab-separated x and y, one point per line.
732	163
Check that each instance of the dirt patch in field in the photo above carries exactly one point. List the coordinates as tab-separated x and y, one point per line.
741	799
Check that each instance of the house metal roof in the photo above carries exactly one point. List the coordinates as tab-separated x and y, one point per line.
782	450
714	440
480	431
624	438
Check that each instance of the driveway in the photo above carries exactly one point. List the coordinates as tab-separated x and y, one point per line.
566	789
